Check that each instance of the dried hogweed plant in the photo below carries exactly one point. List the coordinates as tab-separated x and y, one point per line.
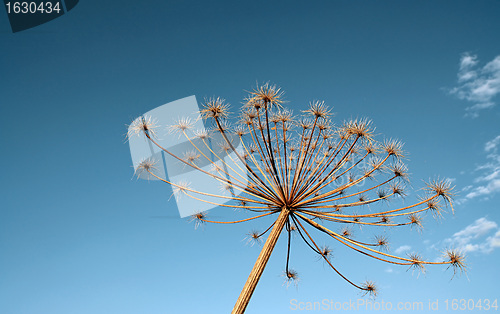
308	174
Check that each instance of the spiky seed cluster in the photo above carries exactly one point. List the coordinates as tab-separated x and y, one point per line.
416	262
264	95
240	130
199	219
215	108
456	260
143	125
291	277
146	166
191	156
382	242
346	232
443	189
254	237
393	148
285	116
399	169
318	110
435	207
202	134
180	188
415	221
309	176
361	128
182	125
370	288
326	252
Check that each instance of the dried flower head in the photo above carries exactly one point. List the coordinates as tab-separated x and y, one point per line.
456	260
346	232
382	242
318	110
415	221
180	188
199	219
369	288
148	166
307	178
326	252
191	156
361	128
291	277
202	134
215	108
182	125
443	189
266	94
143	125
417	263
393	148
254	237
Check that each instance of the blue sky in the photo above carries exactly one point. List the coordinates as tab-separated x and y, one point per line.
78	235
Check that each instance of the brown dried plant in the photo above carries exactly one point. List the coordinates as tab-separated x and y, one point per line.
307	173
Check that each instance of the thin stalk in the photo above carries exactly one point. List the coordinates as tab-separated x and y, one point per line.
260	264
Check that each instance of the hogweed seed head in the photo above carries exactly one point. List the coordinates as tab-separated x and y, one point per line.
202	134
254	237
393	148
180	188
215	108
369	288
442	188
182	125
266	94
148	166
143	125
199	219
326	252
291	277
361	128
382	242
456	260
318	110
416	262
306	170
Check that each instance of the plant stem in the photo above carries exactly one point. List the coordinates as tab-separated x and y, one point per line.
260	264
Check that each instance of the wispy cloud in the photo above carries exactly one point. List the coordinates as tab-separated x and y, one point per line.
389	270
488	182
467	64
473	238
477	85
492	146
402	249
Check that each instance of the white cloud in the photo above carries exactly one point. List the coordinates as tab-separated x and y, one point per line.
450	180
477	85
472	237
492	146
402	249
478	228
488	182
467	62
494	241
483	190
466	188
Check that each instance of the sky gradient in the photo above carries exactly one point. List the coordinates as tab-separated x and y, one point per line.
78	234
